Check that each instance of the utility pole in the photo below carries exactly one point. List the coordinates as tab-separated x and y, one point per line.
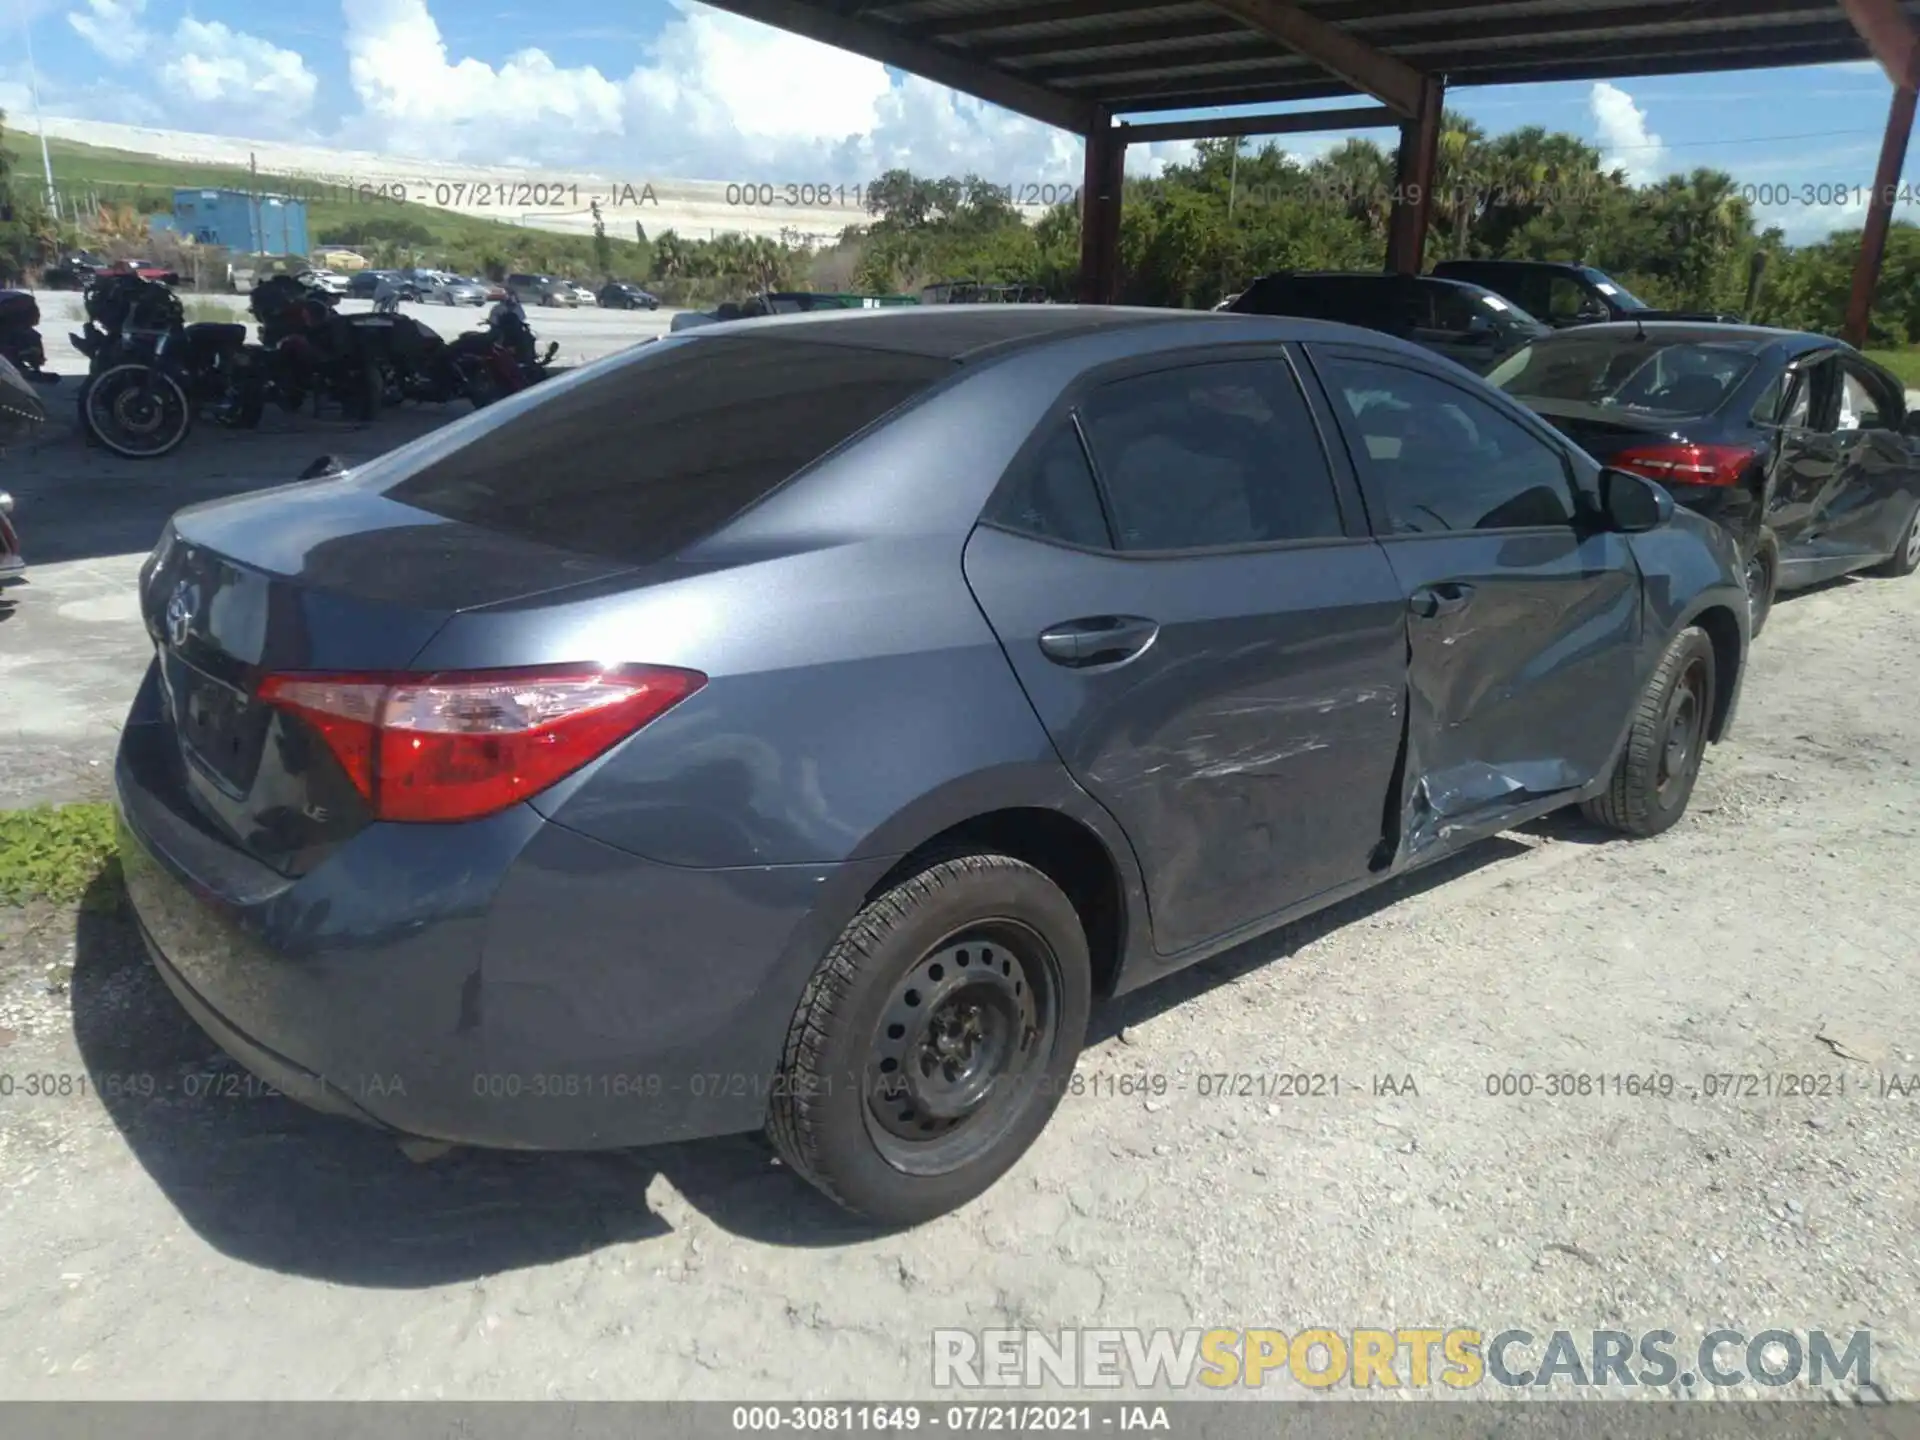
40	120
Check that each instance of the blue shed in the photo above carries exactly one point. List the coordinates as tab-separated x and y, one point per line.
244	222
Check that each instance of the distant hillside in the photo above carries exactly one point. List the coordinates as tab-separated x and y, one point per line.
342	186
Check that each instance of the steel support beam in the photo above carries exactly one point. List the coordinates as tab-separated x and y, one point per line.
1891	36
1413	181
1106	167
1873	240
1295	122
1370	71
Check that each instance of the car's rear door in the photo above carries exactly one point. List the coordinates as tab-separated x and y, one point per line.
1523	621
1213	642
1808	468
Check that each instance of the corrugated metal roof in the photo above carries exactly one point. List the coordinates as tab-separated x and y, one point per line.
1057	59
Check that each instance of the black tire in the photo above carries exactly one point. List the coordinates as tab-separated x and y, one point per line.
138	424
1762	580
1906	555
1005	956
1655	774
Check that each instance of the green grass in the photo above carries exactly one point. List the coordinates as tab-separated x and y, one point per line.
55	852
1904	363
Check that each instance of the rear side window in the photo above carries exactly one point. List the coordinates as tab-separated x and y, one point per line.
1215	455
1052	495
638	462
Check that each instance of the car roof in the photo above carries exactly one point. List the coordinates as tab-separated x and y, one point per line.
1682	332
968	332
1514	264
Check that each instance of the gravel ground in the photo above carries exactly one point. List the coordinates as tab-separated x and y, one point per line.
171	1235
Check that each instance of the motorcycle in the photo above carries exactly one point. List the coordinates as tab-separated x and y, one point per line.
21	413
314	351
503	357
151	374
20	343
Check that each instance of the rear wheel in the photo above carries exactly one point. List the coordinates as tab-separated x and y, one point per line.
1762	576
137	411
935	1039
1654	776
1906	556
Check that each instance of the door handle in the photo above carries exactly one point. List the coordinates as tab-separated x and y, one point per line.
1447	598
1097	640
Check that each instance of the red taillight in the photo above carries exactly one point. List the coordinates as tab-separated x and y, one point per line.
1680	463
457	746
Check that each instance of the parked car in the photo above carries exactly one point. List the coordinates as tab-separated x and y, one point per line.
625	295
444	289
541	290
565	782
1465	323
75	271
496	291
364	284
332	281
1564	294
583	293
145	269
1798	444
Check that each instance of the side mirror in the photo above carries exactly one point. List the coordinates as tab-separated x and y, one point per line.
1631	504
323	467
1910	427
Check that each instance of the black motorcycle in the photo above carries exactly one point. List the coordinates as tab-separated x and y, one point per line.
20	343
150	373
314	351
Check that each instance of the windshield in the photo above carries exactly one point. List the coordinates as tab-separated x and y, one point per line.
1615	291
1679	379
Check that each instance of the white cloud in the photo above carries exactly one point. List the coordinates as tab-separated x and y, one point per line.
716	97
214	65
1626	141
113	28
211	74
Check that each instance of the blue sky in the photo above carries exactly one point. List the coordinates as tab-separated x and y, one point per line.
669	88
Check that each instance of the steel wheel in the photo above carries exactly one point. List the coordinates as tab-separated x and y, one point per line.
1683	731
960	1045
1913	544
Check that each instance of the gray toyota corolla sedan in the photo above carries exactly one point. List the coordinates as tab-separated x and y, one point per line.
798	723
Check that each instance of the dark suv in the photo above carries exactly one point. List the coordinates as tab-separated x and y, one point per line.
1466	323
1564	294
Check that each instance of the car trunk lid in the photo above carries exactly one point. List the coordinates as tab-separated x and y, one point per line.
323	577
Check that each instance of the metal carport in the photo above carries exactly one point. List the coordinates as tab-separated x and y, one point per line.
1078	64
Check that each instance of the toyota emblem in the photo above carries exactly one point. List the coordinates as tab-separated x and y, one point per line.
180	613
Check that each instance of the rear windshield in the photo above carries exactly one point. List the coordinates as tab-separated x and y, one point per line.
1678	379
635	461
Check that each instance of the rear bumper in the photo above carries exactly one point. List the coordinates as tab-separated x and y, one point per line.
506	983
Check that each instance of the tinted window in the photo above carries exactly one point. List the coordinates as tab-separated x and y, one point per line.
1052	494
1677	379
639	460
1453	309
1211	455
1568	299
1437	458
